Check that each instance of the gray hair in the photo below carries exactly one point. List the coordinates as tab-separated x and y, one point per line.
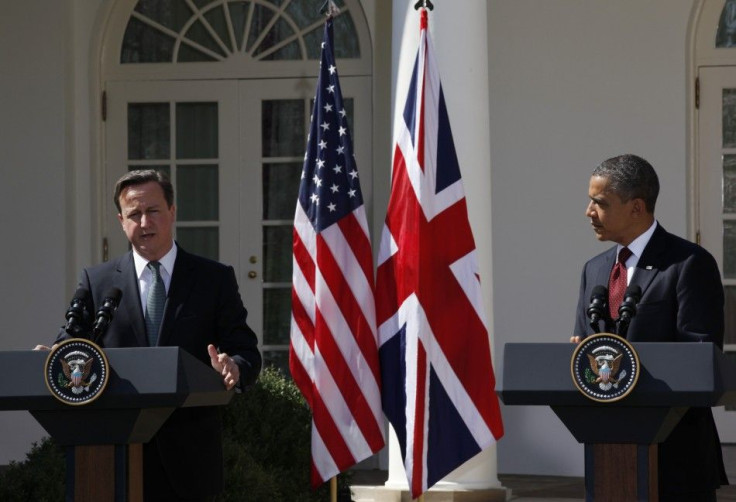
631	177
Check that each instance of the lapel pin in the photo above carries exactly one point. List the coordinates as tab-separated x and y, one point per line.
649	267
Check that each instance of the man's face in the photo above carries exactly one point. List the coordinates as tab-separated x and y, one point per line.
611	218
147	220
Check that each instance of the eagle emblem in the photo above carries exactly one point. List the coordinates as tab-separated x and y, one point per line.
77	371
605	367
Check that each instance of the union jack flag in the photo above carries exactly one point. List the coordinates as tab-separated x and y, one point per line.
333	354
438	382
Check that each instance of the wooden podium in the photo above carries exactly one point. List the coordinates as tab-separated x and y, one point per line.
105	437
673	377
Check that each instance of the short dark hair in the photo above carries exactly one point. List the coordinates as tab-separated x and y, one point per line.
631	177
141	176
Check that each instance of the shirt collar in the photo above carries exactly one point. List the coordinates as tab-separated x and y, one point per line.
637	245
167	262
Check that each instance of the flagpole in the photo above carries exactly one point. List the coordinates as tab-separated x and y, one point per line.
333	489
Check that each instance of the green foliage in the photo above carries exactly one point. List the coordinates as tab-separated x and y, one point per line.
266	445
40	477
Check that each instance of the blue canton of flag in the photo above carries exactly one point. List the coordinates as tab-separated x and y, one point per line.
330	188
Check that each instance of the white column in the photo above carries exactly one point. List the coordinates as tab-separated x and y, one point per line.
459	31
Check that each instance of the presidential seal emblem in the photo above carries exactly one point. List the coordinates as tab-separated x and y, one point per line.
76	372
605	367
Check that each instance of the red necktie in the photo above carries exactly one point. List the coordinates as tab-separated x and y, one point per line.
617	283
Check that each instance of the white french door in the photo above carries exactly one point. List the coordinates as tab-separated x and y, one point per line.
716	202
234	151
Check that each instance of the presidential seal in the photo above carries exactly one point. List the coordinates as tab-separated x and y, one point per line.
76	371
605	367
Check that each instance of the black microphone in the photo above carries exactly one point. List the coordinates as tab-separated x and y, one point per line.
106	312
76	314
598	306
627	310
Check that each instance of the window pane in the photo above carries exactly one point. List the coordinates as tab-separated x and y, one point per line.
171	13
344	32
261	17
148	131
288	52
283	128
201	35
726	35
730	309
729	183
279	359
196	131
277	243
204	241
729	118
216	18
276	316
280	190
145	44
238	15
278	32
729	249
197	189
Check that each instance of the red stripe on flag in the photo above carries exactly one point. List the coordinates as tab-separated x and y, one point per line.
350	389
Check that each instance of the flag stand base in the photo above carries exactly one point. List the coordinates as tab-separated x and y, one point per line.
365	493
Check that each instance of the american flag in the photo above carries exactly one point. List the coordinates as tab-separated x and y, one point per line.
438	382
333	354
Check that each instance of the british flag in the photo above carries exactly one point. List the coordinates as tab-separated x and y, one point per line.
437	376
333	354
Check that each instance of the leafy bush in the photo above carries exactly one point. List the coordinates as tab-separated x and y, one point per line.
266	445
40	477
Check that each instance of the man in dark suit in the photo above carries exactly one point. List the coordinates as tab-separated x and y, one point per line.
681	301
203	313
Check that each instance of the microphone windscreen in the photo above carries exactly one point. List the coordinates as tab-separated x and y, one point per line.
633	291
599	291
114	294
81	294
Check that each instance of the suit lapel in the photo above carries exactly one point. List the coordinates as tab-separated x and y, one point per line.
604	272
181	285
131	300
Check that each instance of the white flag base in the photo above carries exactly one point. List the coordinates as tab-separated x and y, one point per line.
474	481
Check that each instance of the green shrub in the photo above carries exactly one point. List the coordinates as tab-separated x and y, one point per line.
40	477
266	445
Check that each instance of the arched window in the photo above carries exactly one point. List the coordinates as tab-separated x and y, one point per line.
163	31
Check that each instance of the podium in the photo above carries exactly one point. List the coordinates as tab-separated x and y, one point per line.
104	437
673	377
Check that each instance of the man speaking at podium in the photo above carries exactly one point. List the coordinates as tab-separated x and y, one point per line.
681	301
173	298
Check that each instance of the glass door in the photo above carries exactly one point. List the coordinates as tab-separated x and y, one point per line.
275	119
716	207
234	151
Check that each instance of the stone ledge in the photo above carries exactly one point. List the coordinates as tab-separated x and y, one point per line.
383	494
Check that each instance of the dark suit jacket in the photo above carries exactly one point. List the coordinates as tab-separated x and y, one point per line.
203	306
682	301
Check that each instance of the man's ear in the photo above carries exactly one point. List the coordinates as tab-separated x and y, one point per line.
638	207
120	218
